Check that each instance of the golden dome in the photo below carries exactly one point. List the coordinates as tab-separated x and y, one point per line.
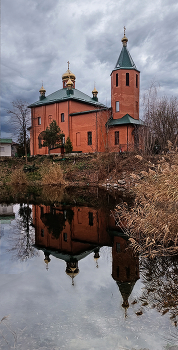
42	89
68	75
124	40
94	91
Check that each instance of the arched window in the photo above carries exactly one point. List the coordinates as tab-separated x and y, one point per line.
40	139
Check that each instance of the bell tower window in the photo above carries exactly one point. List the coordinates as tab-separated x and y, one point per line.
127	79
136	80
117	106
116	79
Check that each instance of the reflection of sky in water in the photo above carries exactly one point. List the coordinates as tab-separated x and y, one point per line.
47	312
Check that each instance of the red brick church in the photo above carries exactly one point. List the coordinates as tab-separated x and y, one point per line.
91	126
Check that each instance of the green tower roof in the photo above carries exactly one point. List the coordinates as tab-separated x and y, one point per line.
125	60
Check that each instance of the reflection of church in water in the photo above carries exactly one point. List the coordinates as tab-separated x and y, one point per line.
72	233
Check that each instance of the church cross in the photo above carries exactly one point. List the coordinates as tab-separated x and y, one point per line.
124	30
68	64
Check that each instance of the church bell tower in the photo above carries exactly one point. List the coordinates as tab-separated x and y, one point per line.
125	82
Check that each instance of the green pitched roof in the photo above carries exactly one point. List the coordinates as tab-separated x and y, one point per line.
5	140
125	60
62	95
65	256
126	119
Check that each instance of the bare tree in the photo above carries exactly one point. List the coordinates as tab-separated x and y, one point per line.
161	120
20	116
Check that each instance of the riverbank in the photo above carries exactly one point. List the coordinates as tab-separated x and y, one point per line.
108	169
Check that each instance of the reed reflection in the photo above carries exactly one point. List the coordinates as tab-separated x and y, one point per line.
160	277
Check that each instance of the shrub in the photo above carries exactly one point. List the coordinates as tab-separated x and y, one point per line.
52	175
18	177
68	145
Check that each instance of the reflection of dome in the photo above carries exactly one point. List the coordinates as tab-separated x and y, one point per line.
96	256
72	269
47	260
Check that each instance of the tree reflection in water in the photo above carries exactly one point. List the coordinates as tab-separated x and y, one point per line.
23	237
160	277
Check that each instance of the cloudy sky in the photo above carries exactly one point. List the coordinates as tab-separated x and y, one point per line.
38	37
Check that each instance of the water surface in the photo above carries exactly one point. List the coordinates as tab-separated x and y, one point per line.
70	281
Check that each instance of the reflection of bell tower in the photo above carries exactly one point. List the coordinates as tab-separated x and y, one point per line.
72	269
47	260
125	267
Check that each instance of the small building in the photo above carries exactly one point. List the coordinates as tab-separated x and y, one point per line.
5	147
92	126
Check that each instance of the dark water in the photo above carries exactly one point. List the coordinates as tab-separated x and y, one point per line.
70	281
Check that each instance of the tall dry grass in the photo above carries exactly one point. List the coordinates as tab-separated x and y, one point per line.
18	177
152	223
52	174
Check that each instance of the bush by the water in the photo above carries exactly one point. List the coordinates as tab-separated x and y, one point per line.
52	175
18	177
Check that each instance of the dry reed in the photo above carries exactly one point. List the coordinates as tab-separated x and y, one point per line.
18	177
152	224
52	175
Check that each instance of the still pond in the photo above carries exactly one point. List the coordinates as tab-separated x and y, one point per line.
70	281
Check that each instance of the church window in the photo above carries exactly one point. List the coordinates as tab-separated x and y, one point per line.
89	138
65	236
41	211
39	120
137	80
63	140
117	106
62	117
127	79
127	268
79	216
90	217
116	79
50	118
118	247
42	233
116	137
39	141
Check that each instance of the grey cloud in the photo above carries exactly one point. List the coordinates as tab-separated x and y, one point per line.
38	38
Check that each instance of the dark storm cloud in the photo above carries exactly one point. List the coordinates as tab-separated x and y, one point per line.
39	37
